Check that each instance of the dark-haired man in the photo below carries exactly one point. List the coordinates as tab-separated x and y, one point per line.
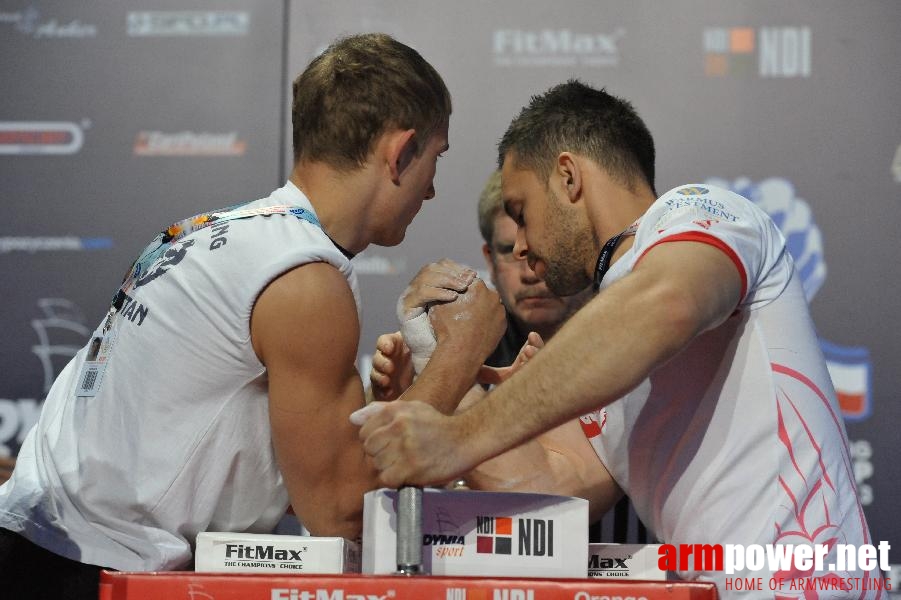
217	388
529	305
714	409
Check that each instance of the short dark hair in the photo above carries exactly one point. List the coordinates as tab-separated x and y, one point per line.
358	88
575	117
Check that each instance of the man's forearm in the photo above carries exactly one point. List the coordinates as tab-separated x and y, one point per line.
626	331
445	380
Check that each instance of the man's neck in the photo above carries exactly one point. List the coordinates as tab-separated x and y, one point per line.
341	200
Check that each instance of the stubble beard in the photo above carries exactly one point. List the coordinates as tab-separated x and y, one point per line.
573	244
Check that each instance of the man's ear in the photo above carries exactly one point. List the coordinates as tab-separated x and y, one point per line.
570	175
401	151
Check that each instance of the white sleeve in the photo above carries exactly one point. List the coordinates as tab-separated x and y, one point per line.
727	221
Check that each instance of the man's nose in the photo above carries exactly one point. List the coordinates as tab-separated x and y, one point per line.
520	248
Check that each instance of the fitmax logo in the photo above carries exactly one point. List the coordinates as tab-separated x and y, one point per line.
260	553
554	47
324	594
607	564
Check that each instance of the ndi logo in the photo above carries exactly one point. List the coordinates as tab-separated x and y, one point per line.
495	536
555	47
773	52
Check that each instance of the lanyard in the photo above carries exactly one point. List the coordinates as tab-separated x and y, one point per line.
607	251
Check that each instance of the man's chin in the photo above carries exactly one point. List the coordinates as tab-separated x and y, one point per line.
564	287
391	239
538	314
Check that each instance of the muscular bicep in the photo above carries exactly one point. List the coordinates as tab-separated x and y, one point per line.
703	280
568	450
305	330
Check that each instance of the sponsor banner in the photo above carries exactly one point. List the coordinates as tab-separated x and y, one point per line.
53	244
188	143
849	367
31	23
205	586
61	332
794	218
850	370
369	264
483	533
556	48
768	52
40	137
219	552
187	23
862	461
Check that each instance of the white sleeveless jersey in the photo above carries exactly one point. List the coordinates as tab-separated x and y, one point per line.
738	439
177	439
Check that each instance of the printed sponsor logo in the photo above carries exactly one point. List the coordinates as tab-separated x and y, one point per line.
53	244
849	367
325	594
188	143
368	264
439	539
769	52
513	594
555	47
61	332
696	204
606	566
582	595
692	191
29	22
185	23
263	556
41	137
593	424
861	459
495	535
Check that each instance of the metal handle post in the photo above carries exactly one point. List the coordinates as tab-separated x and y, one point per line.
409	530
